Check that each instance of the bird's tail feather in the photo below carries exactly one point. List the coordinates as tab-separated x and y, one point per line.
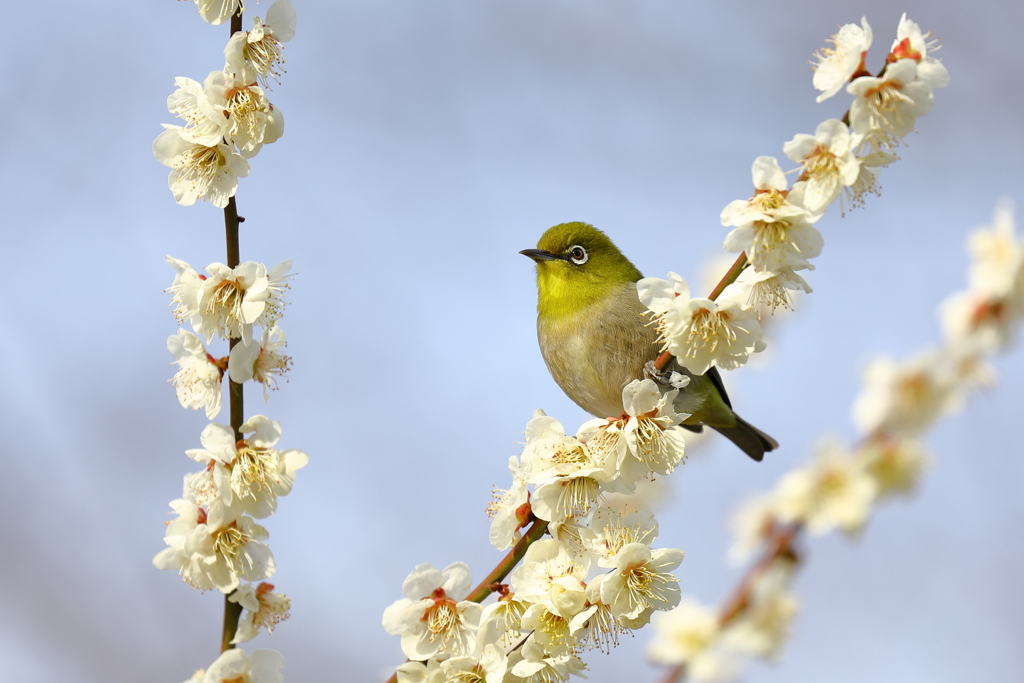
749	438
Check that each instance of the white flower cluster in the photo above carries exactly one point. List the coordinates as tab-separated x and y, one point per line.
262	666
840	486
227	303
214	542
712	649
775	228
227	118
595	579
902	400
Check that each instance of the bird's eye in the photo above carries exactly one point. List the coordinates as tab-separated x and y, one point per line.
578	255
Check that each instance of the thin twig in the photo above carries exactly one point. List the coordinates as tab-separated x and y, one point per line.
233	610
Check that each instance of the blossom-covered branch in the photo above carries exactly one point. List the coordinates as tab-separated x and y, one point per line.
840	486
775	230
598	576
215	541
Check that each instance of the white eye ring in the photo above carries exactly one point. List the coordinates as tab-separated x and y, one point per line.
578	255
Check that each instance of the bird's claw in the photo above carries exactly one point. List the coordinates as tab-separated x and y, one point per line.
661	377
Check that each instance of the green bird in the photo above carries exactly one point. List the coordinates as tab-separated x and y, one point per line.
596	337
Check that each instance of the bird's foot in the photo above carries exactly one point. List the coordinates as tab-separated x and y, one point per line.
661	377
674	380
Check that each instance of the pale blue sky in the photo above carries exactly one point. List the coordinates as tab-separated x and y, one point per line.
426	144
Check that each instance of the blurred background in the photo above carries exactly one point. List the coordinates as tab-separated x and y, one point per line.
426	144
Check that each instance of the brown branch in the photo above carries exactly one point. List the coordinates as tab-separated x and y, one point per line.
493	580
730	276
233	610
675	674
232	613
739	600
737	603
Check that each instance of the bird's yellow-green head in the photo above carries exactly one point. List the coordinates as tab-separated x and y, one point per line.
577	265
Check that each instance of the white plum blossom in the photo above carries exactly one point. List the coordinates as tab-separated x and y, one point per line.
768	177
214	551
689	635
895	465
179	532
260	473
501	621
773	227
905	399
539	666
277	285
640	580
646	440
551	581
911	43
607	439
197	383
553	632
885	108
985	317
828	162
972	369
263	609
232	300
486	666
570	532
997	258
262	362
765	290
218	11
205	122
207	172
597	626
831	491
217	456
566	474
185	292
701	333
247	476
553	578
653	435
836	65
505	507
866	183
433	617
420	672
559	498
254	56
976	322
280	20
235	666
252	120
610	530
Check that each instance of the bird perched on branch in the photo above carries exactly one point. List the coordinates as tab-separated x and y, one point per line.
595	335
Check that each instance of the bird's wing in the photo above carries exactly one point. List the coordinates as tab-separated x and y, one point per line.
716	379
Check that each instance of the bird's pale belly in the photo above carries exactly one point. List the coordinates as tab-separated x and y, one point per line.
592	357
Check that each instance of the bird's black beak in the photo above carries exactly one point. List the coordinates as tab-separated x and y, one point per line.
539	255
